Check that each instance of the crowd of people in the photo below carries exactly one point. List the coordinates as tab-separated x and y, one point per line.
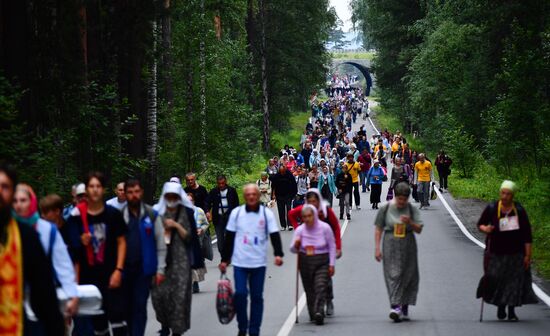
131	250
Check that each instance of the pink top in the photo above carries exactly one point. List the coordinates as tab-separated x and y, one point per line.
319	239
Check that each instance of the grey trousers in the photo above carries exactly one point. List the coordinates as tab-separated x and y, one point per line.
424	193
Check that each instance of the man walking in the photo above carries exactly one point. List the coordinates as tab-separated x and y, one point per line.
246	247
199	192
25	269
221	202
354	168
284	189
145	255
119	201
423	176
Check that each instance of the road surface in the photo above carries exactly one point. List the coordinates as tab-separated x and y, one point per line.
450	268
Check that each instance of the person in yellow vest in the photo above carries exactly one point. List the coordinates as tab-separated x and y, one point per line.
354	168
423	176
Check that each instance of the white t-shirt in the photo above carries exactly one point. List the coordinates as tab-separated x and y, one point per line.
116	204
251	236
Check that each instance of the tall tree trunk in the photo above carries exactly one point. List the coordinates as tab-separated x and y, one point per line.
152	136
265	101
167	55
202	94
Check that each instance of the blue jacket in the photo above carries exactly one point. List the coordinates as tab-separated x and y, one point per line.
300	159
153	247
373	171
331	184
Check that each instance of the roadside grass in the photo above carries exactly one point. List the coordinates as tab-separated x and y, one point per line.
258	163
354	55
484	185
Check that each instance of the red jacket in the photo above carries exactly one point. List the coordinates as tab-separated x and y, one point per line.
295	218
366	162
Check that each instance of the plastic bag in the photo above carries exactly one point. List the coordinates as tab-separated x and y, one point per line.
224	300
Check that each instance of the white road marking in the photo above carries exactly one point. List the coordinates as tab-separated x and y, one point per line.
538	291
291	319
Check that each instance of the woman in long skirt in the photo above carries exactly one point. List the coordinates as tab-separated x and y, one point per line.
315	244
172	297
397	223
507	281
375	177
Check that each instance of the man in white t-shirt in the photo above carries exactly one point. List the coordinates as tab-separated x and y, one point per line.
248	229
118	202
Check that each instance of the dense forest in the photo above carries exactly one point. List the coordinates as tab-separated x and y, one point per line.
472	76
152	88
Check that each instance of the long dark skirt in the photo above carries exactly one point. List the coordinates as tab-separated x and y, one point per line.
506	282
375	192
315	279
401	268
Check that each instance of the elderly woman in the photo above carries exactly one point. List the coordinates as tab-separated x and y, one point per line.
265	188
375	177
314	243
396	223
507	280
172	297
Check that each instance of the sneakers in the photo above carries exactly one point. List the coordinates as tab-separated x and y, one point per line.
330	308
283	229
342	217
349	217
196	288
358	208
290	228
396	314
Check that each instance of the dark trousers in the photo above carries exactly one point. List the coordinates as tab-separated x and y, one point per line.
220	235
315	279
356	196
136	287
249	280
284	205
443	183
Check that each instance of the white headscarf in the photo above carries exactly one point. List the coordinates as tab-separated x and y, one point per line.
322	203
172	188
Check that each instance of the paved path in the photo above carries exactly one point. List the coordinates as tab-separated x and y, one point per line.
450	267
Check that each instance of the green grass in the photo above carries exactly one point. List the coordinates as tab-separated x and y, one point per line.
484	185
354	55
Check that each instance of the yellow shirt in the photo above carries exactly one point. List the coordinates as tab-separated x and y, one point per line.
424	171
377	148
353	170
395	147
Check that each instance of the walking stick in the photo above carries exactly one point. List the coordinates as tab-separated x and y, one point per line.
297	284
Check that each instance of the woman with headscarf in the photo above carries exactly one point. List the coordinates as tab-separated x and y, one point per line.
314	243
172	296
327	215
326	184
375	177
397	223
507	281
398	174
25	207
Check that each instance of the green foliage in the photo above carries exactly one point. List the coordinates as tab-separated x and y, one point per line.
461	146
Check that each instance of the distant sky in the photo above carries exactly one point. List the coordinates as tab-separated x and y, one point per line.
343	11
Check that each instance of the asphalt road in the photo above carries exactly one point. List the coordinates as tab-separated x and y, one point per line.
450	268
